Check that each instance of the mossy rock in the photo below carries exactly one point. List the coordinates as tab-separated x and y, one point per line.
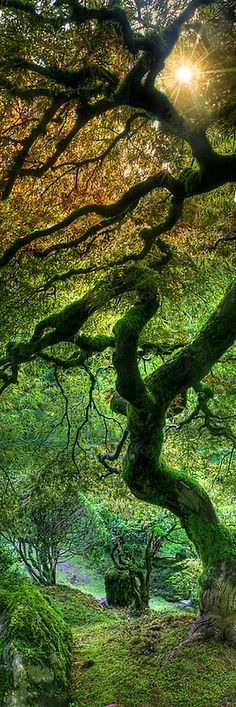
36	654
118	589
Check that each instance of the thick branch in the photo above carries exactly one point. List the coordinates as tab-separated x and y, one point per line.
145	470
65	325
129	382
131	198
196	359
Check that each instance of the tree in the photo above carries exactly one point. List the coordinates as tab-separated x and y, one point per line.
140	568
46	529
73	74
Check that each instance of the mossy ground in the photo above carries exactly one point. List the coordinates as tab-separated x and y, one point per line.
75	607
118	661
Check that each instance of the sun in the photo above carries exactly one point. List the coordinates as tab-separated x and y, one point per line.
184	74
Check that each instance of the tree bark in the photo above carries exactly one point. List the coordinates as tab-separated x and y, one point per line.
147	472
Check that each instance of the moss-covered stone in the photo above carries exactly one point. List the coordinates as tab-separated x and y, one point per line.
118	589
36	653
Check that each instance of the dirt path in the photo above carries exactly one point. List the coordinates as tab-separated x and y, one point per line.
72	573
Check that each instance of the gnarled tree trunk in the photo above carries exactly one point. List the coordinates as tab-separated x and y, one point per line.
148	474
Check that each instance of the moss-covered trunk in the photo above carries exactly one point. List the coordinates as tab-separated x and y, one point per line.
145	469
159	484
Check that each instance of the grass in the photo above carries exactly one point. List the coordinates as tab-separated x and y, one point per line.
158	604
118	661
93	580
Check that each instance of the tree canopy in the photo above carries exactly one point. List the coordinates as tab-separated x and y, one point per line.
117	169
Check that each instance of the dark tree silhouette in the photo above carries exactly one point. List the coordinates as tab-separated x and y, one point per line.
66	67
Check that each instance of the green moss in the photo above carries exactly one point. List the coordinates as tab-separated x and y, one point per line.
118	589
36	630
214	541
75	607
125	663
38	636
99	342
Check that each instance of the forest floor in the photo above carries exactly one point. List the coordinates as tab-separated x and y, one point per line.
120	661
81	574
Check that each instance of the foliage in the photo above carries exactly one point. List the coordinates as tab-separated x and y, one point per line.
178	580
149	551
6	559
105	150
139	569
52	524
131	524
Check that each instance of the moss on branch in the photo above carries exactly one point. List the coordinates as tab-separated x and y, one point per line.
191	364
94	344
127	330
65	325
146	472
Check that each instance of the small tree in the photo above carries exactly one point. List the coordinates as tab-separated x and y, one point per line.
47	529
138	569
